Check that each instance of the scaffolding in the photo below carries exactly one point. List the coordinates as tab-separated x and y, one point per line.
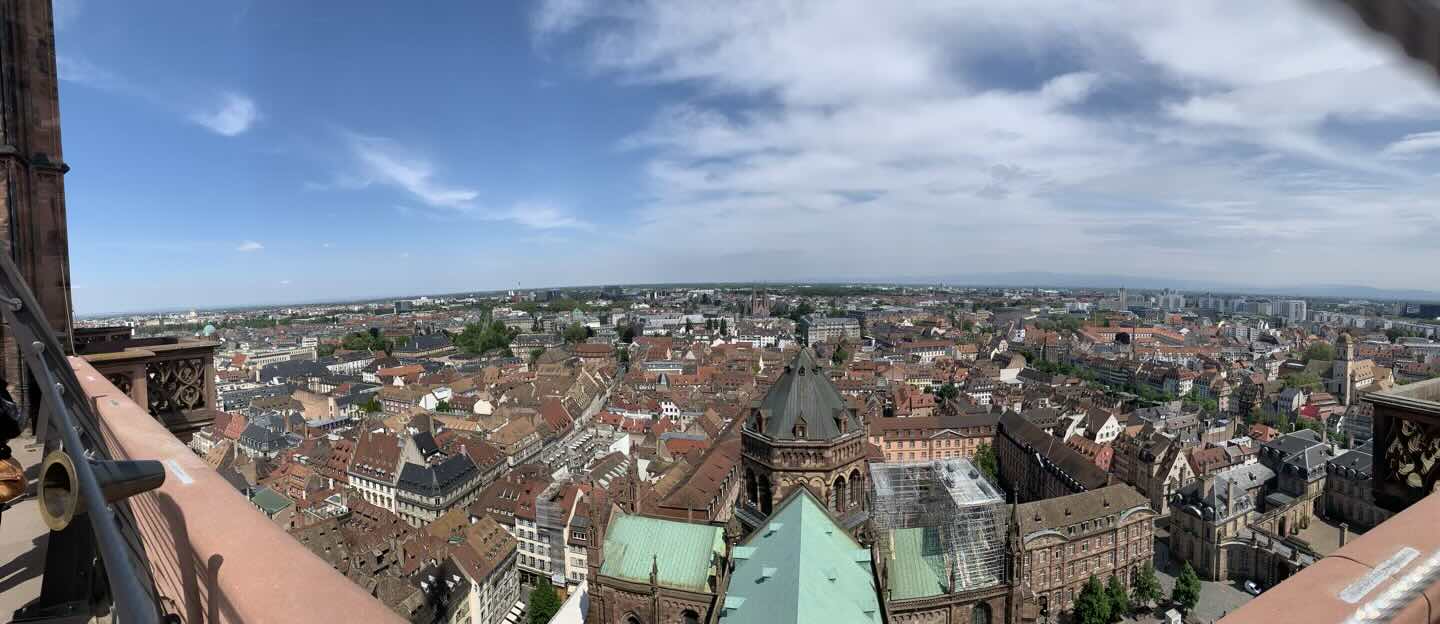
963	516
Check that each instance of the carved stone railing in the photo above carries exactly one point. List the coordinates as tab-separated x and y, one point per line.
1406	423
86	336
173	378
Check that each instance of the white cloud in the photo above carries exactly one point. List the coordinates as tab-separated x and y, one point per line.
250	245
387	162
233	115
846	137
285	282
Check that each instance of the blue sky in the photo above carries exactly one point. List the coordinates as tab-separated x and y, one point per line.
231	153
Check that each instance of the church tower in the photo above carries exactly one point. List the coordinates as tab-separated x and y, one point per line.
759	303
1340	372
32	221
803	433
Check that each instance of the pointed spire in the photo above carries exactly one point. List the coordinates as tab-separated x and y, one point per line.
654	570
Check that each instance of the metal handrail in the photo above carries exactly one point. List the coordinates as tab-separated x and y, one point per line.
80	437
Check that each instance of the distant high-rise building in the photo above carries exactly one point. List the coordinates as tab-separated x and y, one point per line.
1172	301
1293	310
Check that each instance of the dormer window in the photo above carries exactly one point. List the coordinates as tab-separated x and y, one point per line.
799	430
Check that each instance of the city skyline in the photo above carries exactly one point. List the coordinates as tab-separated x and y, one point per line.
581	143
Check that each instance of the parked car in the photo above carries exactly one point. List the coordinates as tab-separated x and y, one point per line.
1252	588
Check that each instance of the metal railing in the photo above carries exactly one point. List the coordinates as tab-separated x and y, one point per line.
67	418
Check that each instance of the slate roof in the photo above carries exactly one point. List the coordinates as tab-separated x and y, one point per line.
1044	418
438	479
1301	449
1026	435
805	394
801	567
258	437
1357	461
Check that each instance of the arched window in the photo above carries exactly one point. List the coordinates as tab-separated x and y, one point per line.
632	619
980	613
857	488
838	495
689	616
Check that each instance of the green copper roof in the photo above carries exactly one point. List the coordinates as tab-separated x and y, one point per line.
803	568
270	501
683	553
917	565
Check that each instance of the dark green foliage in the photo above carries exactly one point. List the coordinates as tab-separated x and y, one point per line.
1118	597
1187	589
1092	606
985	460
1147	587
477	338
544	604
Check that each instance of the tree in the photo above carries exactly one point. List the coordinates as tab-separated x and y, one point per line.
366	341
627	334
325	350
576	333
1304	379
688	326
536	353
724	327
370	407
1320	351
1092	606
624	355
544	604
1118	597
968	325
948	391
1147	587
839	356
478	338
801	311
1187	589
442	406
985	460
1266	416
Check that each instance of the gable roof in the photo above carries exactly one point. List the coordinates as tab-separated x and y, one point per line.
1028	436
683	555
1062	511
799	560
